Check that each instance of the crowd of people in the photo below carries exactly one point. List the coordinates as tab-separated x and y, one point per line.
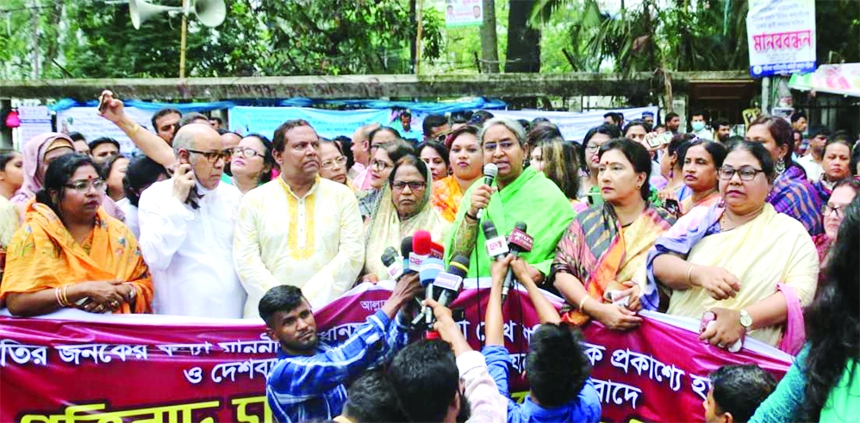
759	233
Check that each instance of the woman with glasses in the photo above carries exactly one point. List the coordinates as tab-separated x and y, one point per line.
740	263
435	155
792	193
600	259
836	161
404	208
381	162
467	162
251	163
517	194
333	162
596	137
701	163
70	254
833	212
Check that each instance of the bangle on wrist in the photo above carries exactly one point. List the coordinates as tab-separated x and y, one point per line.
472	217
690	275
582	303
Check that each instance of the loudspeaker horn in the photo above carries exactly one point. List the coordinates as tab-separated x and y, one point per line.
210	12
141	11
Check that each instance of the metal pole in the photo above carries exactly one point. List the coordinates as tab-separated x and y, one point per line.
419	17
765	95
182	39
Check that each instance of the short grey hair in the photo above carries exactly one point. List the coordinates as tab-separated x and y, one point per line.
183	140
511	124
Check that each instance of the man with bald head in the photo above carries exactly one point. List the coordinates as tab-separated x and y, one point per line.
361	154
186	230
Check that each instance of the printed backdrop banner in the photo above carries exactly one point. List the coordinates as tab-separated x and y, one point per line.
781	36
573	125
327	123
464	13
165	368
87	121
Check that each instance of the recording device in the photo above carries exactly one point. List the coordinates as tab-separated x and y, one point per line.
518	242
660	139
448	283
490	173
393	263
671	205
430	269
497	246
420	249
406	254
102	102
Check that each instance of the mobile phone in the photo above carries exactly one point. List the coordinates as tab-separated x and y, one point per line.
671	205
102	102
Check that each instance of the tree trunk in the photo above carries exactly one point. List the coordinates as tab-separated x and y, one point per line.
523	41
489	40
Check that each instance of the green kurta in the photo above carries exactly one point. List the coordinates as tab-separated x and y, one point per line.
531	198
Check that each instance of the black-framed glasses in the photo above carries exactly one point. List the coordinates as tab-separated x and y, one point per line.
83	186
413	185
246	152
328	164
214	156
746	173
442	137
379	165
829	208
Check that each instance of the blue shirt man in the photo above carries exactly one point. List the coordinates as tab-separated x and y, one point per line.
307	383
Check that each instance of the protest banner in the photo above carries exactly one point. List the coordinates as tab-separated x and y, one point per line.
111	368
781	36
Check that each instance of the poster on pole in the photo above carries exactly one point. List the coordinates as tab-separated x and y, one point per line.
781	36
464	13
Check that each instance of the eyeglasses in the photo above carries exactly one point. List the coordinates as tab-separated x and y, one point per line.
328	164
593	147
379	165
213	156
505	145
828	208
246	152
413	186
84	186
442	137
746	173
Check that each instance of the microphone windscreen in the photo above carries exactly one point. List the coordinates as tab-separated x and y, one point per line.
406	246
459	266
522	226
489	229
430	269
491	170
422	243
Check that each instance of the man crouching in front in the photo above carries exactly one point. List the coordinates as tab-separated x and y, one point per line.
307	383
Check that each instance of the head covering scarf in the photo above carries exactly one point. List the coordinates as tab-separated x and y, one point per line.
34	154
387	230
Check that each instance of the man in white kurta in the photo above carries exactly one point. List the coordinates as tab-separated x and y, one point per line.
188	243
299	229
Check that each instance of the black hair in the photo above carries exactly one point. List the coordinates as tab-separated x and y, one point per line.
637	155
835	140
759	152
103	140
855	159
479	117
397	150
58	175
540	119
556	365
671	115
796	116
345	144
820	130
717	123
832	319
217	119
161	113
77	136
543	132
381	129
141	172
733	139
430	122
780	130
616	117
701	113
611	130
191	117
461	117
409	160
279	139
6	155
440	148
527	126
107	167
676	141
466	129
425	379
283	298
636	122
740	389
268	157
716	150
371	399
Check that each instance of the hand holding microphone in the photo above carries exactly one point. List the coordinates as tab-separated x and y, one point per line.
518	242
481	195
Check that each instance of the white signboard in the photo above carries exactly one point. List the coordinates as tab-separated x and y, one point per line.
464	13
781	36
87	121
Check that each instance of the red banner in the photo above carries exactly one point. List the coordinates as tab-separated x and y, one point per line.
165	368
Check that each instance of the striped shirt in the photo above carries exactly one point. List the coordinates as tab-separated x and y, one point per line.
793	195
301	388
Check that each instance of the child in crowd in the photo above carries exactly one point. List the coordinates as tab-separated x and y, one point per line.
556	366
736	392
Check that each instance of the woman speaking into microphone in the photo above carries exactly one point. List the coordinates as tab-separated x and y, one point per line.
514	195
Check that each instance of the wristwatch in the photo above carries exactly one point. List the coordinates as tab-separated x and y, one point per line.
746	320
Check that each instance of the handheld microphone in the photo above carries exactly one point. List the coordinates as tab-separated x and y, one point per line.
490	173
421	246
450	281
393	263
430	269
496	245
406	253
519	242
